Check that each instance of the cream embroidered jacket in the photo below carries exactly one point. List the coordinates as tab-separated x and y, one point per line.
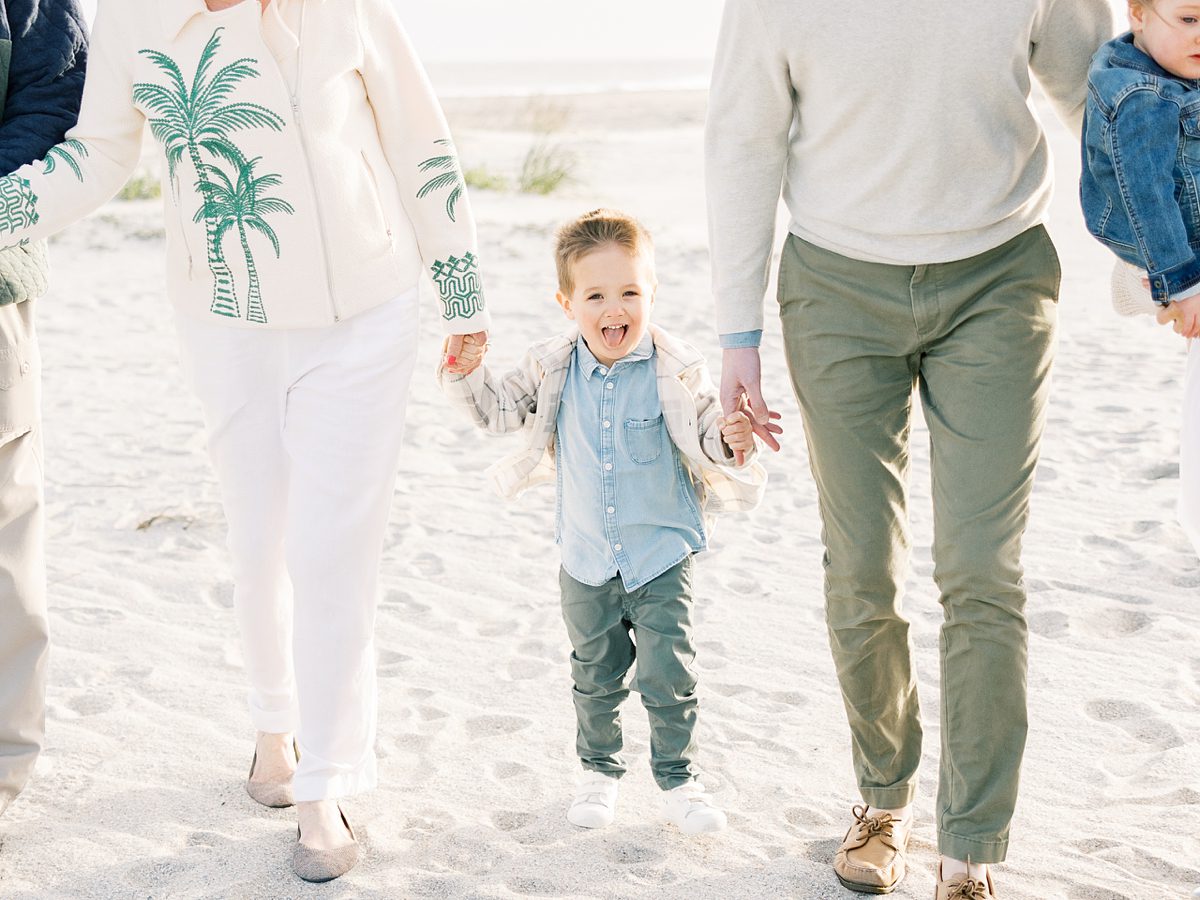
296	192
527	398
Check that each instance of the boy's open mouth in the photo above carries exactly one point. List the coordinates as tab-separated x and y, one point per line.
614	334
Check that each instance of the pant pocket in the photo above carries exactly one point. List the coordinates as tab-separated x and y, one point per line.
20	366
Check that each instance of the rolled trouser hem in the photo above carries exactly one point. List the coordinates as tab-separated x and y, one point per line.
609	769
976	850
348	784
275	721
670	782
889	797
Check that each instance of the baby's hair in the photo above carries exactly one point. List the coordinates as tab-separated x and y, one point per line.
594	230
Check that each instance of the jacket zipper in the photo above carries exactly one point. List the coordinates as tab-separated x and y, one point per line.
296	120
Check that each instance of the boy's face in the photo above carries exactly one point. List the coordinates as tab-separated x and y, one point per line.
1169	33
611	300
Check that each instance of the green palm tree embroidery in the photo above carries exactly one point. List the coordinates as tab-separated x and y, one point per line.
187	119
451	176
18	204
66	152
240	204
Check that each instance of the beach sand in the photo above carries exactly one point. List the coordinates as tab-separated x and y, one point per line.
139	791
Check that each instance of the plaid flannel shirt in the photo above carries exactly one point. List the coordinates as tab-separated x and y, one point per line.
527	398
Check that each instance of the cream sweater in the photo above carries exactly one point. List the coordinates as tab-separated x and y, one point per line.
308	173
899	133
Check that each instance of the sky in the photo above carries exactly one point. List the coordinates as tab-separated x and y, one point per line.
535	30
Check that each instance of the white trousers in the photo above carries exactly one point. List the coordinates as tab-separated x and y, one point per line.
304	431
1189	463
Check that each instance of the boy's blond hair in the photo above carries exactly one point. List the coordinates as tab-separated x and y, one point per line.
594	230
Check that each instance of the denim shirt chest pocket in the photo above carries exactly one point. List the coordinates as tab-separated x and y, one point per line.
1187	191
644	439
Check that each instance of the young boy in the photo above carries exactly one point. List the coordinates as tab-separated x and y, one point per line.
1141	171
627	421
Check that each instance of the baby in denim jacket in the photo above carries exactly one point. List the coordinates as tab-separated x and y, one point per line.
1141	185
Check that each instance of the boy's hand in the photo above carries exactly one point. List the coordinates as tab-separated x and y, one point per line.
464	352
737	431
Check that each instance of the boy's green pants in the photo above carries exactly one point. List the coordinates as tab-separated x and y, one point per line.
599	622
975	337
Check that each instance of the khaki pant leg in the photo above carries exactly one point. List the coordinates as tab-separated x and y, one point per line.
850	339
23	628
984	386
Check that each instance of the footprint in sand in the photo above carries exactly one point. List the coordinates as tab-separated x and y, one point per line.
405	601
508	820
391	663
1050	624
220	595
1115	623
502	771
1161	471
428	565
91	704
91	615
207	839
485	726
1138	720
630	854
524	669
529	886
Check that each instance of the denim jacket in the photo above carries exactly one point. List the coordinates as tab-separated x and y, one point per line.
1141	166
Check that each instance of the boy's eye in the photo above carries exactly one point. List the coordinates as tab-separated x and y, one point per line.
631	294
1189	20
595	296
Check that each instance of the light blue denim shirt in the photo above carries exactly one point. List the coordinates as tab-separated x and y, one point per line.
626	503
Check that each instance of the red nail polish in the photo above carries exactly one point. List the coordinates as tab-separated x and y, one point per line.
451	360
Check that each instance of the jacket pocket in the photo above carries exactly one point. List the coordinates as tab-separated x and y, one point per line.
644	439
373	183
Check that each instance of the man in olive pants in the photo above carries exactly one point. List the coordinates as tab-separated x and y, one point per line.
916	175
42	62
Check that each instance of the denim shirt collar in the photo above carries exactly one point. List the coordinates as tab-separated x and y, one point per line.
588	363
1124	53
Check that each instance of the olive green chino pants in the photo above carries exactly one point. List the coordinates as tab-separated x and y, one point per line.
599	622
975	337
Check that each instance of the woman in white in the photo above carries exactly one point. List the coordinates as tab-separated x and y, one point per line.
308	181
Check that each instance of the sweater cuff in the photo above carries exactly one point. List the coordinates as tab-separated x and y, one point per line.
741	339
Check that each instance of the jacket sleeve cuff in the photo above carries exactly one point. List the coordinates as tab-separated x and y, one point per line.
741	339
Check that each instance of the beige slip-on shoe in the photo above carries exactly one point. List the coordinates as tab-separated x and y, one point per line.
963	887
273	794
326	865
872	858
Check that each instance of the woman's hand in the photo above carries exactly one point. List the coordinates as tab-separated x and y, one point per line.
1185	314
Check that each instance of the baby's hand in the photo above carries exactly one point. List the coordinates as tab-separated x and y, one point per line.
464	352
1185	314
738	434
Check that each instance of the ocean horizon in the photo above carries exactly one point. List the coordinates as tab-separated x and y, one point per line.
548	78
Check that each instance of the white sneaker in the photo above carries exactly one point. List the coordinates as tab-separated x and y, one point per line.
692	809
595	803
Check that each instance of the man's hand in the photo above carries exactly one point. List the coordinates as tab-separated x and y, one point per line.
1185	314
741	392
464	352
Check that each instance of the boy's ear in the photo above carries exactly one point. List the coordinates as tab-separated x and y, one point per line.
1137	16
565	302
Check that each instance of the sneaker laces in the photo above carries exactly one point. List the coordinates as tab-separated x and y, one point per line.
969	889
883	827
